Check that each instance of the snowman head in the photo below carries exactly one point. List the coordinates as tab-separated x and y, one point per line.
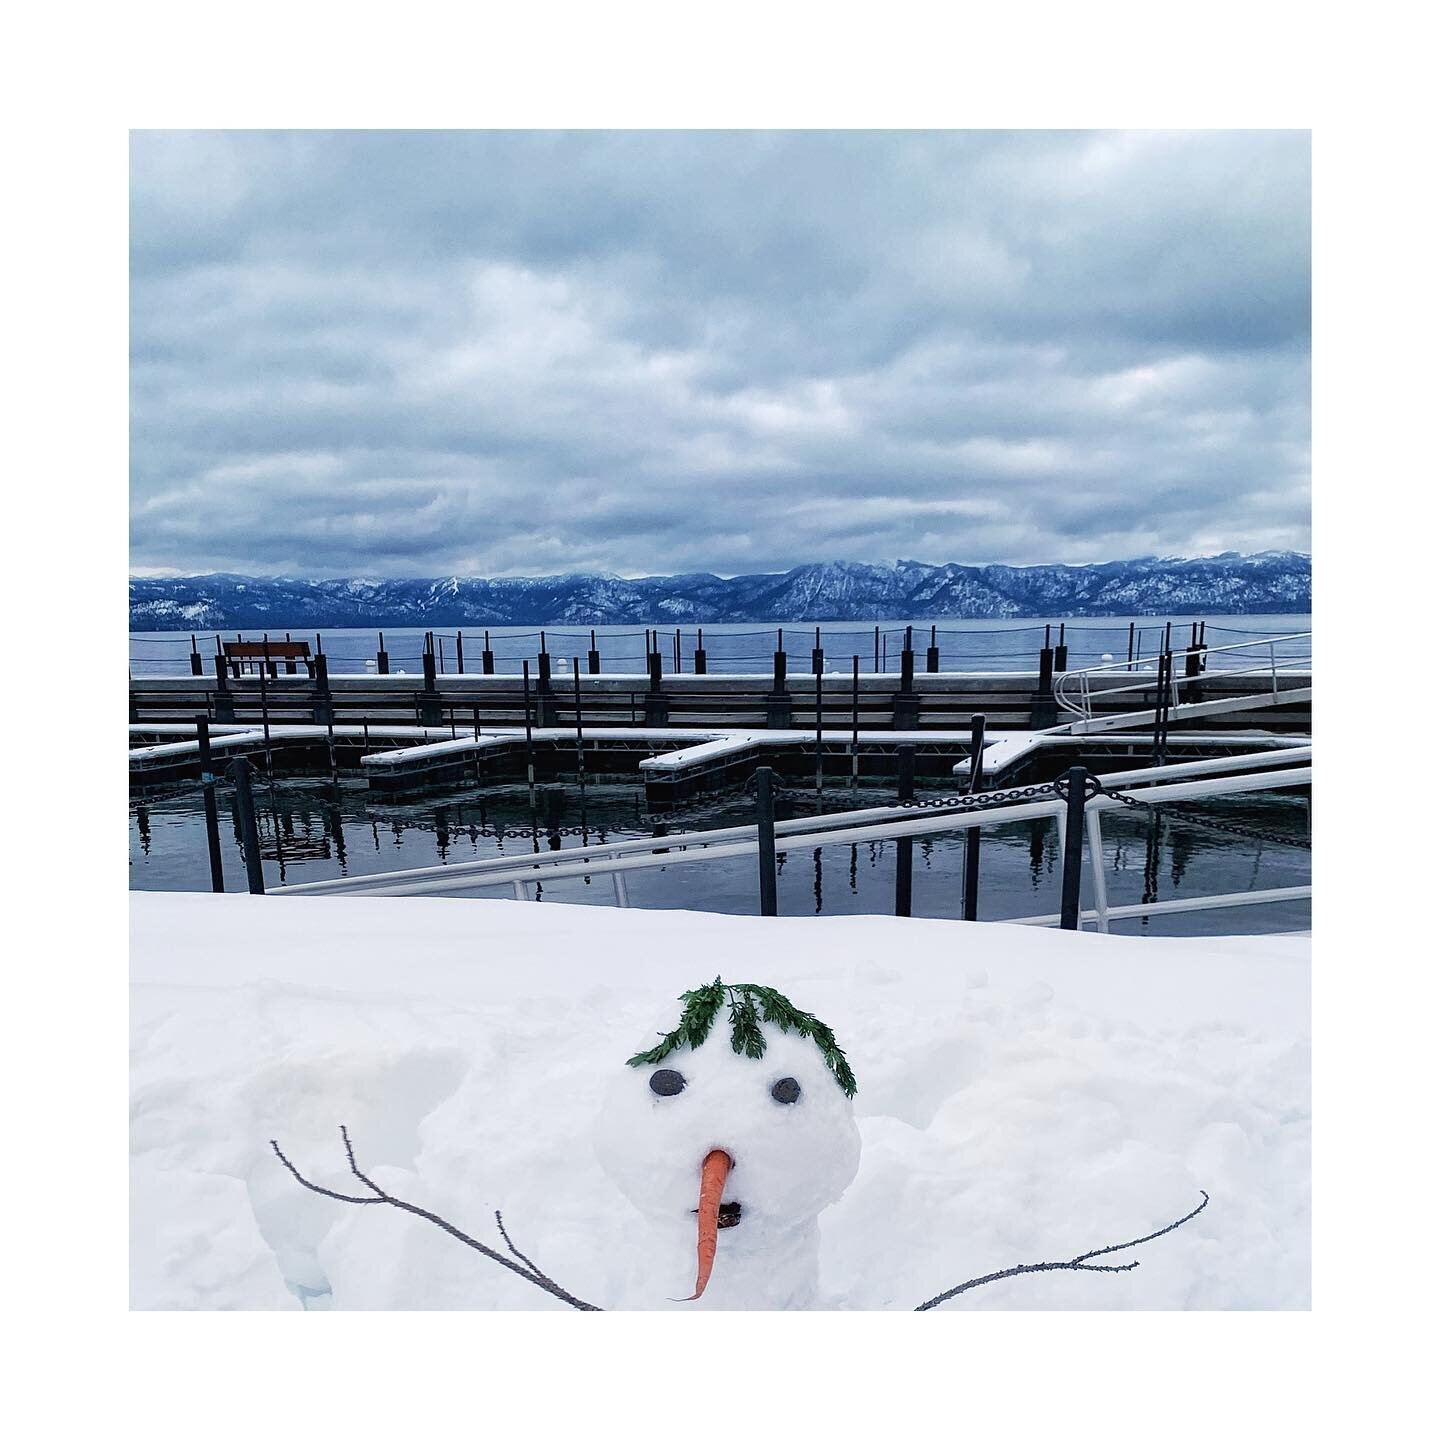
739	1120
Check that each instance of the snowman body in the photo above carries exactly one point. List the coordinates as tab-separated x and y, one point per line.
790	1133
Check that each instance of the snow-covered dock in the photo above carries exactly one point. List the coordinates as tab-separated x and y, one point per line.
1023	1095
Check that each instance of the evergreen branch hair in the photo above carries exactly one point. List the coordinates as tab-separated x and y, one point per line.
749	1005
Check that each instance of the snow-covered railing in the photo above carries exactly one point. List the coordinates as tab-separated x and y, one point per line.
620	858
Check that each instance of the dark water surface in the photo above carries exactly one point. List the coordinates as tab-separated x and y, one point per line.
315	830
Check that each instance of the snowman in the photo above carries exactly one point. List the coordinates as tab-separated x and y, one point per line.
730	1137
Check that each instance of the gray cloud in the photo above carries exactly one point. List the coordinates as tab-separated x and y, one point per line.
488	353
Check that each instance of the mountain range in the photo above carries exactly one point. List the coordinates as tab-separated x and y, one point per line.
1273	582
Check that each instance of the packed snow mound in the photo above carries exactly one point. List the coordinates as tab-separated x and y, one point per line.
1024	1095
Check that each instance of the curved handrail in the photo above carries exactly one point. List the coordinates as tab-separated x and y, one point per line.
1072	688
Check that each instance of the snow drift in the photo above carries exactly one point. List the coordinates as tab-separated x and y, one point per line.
1024	1095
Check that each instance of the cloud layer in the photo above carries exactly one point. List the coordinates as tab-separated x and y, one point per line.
488	353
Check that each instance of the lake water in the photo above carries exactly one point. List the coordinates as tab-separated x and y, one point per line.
730	649
314	830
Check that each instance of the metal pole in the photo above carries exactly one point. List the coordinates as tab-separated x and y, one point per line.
265	705
819	728
855	721
579	733
904	845
212	813
765	828
972	835
249	831
529	738
1074	845
459	652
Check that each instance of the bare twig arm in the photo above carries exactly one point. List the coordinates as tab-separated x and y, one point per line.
381	1197
1080	1262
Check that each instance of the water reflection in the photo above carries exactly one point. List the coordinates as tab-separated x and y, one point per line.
313	830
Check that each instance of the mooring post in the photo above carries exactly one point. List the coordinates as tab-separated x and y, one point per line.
854	721
1162	708
765	829
487	657
817	655
429	696
592	659
932	654
777	702
459	652
382	657
818	659
1074	845
657	703
1192	669
579	730
1044	711
324	711
224	700
265	666
1062	652
1130	648
212	812
877	649
241	771
972	835
700	660
529	736
906	715
677	650
904	845
197	665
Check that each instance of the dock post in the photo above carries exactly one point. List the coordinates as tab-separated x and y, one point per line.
266	665
529	737
579	732
224	700
700	659
382	657
932	655
677	650
904	845
1044	711
592	659
907	703
459	652
765	829
777	702
854	721
429	695
819	664
877	649
817	655
1062	652
197	666
1130	648
972	835
212	813
1074	845
1192	666
324	711
487	657
241	770
657	705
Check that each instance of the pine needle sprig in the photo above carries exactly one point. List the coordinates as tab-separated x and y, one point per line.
749	1005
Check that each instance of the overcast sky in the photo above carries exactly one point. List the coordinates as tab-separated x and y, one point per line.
485	353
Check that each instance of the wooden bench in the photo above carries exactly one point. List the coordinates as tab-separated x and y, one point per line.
247	656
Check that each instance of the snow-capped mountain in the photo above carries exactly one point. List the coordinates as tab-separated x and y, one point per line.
1274	582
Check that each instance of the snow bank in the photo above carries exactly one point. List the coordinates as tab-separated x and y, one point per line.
1023	1095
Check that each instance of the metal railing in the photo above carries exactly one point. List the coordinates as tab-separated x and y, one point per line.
1075	690
1149	787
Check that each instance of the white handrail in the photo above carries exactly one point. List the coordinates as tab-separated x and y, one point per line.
1081	703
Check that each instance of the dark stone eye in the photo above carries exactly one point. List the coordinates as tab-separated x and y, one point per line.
786	1091
667	1082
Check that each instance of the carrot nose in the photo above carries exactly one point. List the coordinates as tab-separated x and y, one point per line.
713	1174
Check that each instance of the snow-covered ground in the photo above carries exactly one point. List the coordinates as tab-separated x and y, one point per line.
1024	1095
